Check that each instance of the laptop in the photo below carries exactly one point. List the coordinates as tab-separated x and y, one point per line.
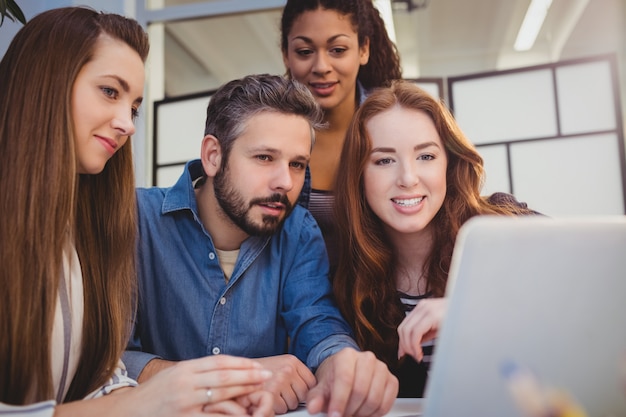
546	295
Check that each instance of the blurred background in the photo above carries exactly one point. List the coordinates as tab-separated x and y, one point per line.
436	38
197	45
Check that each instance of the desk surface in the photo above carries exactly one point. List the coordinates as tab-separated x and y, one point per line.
403	407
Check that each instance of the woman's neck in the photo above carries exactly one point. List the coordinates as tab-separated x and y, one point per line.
411	253
339	118
328	144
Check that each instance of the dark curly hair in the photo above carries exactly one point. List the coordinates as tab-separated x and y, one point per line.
384	62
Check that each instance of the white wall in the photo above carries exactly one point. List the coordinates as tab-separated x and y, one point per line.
557	140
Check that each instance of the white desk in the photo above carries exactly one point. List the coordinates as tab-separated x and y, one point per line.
403	407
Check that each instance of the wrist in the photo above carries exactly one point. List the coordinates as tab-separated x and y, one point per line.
152	368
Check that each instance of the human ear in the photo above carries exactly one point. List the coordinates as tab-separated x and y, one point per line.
211	155
364	52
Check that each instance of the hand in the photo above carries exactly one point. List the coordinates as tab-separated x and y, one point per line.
421	325
181	389
351	383
291	381
255	404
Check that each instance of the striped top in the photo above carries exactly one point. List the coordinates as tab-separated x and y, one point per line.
409	302
321	207
412	375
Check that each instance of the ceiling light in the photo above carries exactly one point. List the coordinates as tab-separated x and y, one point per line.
531	25
409	5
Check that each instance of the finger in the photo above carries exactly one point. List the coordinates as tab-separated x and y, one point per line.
373	398
307	377
290	383
261	404
317	401
346	389
280	405
318	397
411	348
289	398
404	330
231	378
412	334
383	393
299	387
416	347
363	396
225	407
231	392
217	362
283	395
389	397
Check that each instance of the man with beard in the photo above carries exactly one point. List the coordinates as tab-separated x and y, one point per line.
229	263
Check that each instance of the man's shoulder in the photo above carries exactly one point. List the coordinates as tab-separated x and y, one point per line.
300	219
148	196
299	230
147	191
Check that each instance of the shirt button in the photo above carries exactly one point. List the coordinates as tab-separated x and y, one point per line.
211	255
216	351
223	300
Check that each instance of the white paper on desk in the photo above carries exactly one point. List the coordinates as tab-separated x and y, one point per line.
402	407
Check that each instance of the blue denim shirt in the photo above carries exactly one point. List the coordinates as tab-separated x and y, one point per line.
278	299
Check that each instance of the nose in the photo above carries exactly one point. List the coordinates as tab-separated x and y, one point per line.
408	175
123	121
282	179
321	64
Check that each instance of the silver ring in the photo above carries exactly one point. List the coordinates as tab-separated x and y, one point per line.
209	394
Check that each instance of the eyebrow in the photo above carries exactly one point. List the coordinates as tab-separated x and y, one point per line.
124	84
415	148
275	151
329	40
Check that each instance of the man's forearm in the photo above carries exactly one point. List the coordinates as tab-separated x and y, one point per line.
153	367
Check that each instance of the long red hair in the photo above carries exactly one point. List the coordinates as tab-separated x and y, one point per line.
364	283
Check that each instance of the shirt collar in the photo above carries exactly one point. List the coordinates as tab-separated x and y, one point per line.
181	196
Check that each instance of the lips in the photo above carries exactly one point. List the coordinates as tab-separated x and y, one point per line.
109	144
408	202
273	209
323	89
276	206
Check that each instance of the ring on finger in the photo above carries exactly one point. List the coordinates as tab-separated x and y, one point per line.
209	394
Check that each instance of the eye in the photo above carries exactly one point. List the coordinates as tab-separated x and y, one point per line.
298	165
134	112
264	158
338	50
109	92
383	161
426	157
304	52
